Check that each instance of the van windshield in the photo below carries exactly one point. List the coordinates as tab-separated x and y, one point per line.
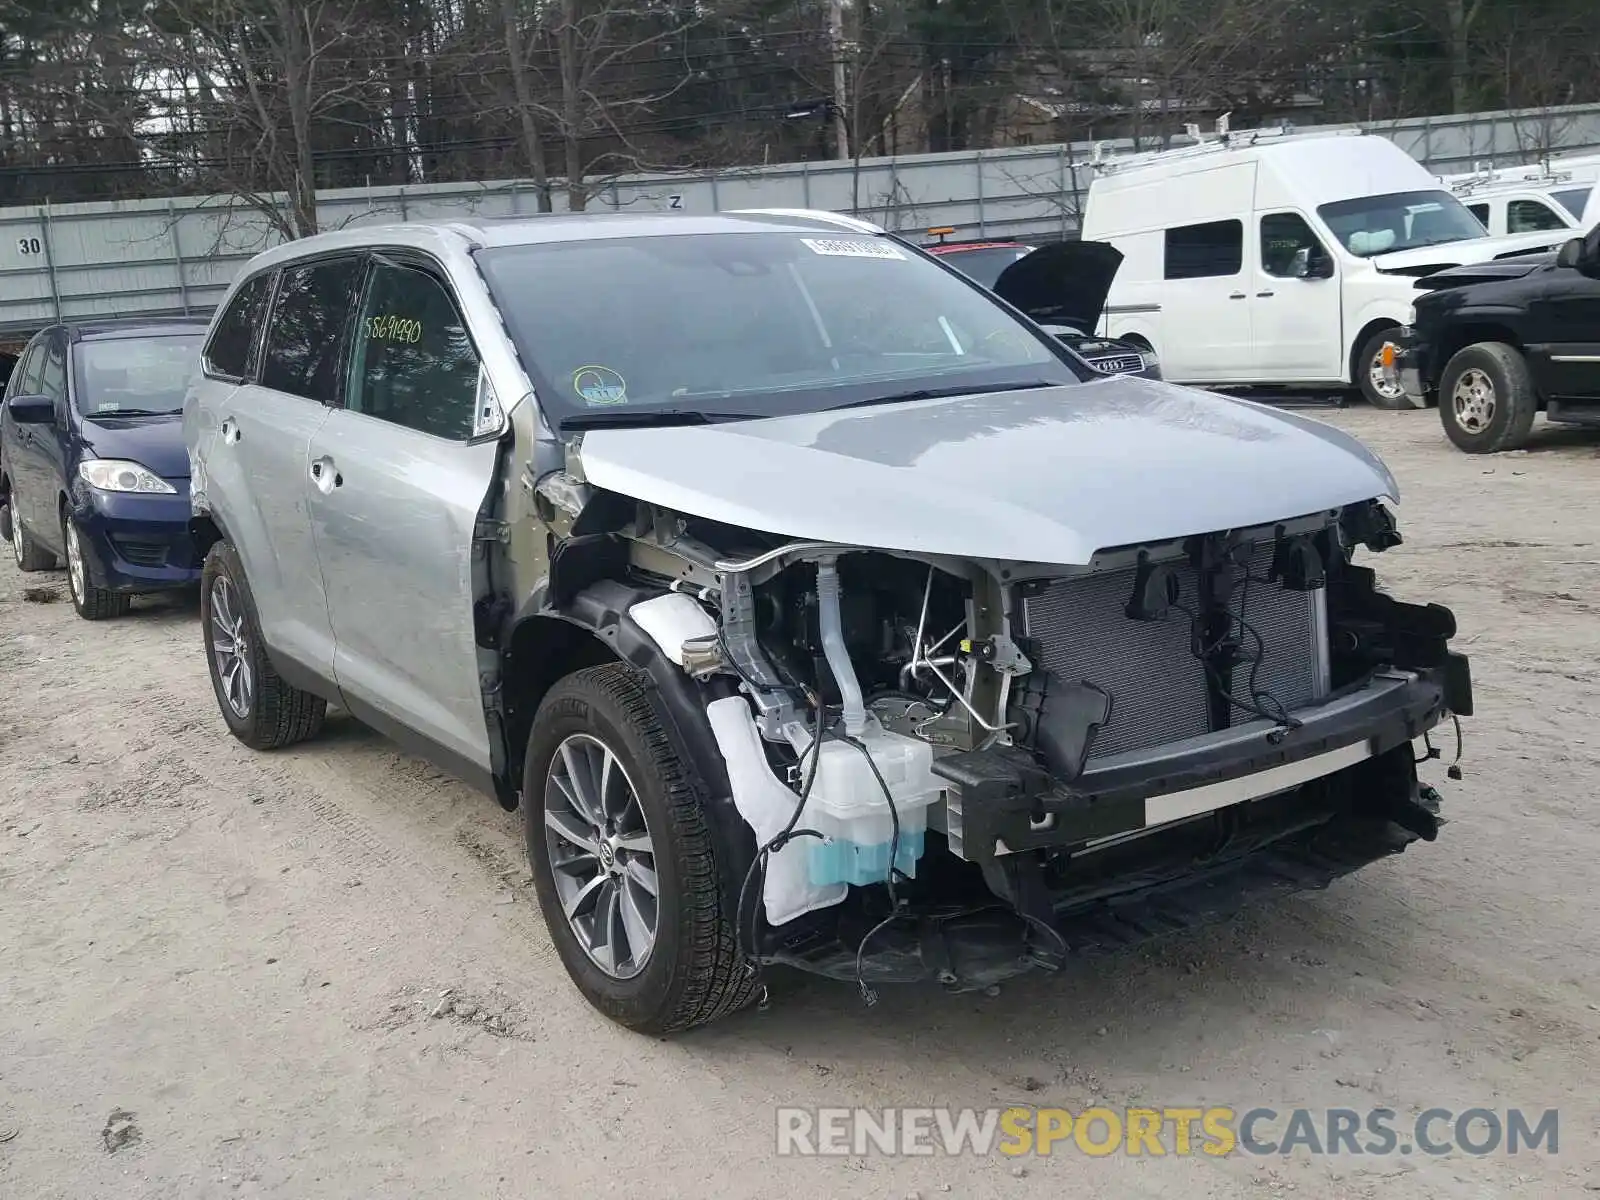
731	325
1370	225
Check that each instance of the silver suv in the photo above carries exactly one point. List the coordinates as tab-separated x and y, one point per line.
816	606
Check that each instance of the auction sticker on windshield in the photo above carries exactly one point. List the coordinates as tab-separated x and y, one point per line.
600	385
852	248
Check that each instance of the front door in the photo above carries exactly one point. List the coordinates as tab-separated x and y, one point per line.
1295	305
1568	314
22	441
398	483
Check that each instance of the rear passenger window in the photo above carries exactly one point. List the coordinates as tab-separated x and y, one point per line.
306	331
413	363
229	350
1530	216
1204	251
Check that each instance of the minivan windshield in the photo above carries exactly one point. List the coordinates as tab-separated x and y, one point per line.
1370	225
766	323
136	376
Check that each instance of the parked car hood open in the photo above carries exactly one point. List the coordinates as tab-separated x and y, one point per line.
1049	475
153	442
1064	283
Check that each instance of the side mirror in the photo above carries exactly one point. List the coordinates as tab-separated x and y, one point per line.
1589	254
32	410
1300	264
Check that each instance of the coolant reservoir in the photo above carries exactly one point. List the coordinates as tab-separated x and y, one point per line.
848	807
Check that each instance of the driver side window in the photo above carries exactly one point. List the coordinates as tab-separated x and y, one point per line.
414	363
1283	237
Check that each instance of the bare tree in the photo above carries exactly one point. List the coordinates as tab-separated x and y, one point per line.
273	72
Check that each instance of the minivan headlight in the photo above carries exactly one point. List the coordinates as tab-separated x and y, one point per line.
119	475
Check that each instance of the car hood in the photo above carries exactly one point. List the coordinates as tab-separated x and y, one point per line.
153	442
1049	475
1064	283
1469	250
1486	272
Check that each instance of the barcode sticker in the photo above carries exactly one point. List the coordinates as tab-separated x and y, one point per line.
853	248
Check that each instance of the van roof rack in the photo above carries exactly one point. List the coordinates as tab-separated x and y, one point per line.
1487	178
1221	140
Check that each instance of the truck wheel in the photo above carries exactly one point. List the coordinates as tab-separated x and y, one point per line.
622	860
1487	399
261	710
93	603
29	554
1379	392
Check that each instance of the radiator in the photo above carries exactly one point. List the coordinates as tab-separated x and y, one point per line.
1158	689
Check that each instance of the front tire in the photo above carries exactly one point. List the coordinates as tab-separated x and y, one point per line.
261	710
1369	374
622	857
1487	398
92	603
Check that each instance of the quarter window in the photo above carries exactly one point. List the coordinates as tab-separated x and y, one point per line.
233	340
25	377
1531	216
307	329
1481	211
1205	251
414	363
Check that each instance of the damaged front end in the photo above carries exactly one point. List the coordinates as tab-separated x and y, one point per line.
960	770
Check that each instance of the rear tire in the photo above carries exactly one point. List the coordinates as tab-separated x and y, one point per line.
92	603
1487	398
27	553
261	710
691	971
1368	366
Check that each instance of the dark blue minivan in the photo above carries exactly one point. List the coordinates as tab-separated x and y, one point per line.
93	471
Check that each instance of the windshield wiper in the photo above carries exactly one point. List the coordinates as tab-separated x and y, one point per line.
647	417
135	412
944	393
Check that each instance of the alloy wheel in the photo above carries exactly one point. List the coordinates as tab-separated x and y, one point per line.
77	577
1473	400
230	646
601	855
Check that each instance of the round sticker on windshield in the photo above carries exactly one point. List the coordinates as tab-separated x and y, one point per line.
599	385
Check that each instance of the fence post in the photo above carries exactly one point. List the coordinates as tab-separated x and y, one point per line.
983	226
716	203
177	256
805	183
49	257
1061	167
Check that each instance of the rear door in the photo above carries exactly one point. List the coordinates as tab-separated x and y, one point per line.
257	475
399	481
1568	314
1205	305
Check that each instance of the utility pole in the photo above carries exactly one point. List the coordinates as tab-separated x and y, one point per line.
841	126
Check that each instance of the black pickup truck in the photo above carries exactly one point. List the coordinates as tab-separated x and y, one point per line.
1500	341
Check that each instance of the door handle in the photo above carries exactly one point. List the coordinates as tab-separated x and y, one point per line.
1268	293
1236	296
325	475
230	431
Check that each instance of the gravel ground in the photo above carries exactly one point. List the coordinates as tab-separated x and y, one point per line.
218	969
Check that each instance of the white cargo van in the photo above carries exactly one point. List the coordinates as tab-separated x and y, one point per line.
1279	259
1529	198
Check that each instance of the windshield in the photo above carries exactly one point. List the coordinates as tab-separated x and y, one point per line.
759	324
985	265
1371	225
1573	199
136	375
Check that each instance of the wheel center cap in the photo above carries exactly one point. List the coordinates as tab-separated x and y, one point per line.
608	856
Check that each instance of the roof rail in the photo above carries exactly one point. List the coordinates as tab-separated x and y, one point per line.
1218	142
842	220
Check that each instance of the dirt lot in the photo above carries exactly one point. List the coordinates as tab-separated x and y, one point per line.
217	969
